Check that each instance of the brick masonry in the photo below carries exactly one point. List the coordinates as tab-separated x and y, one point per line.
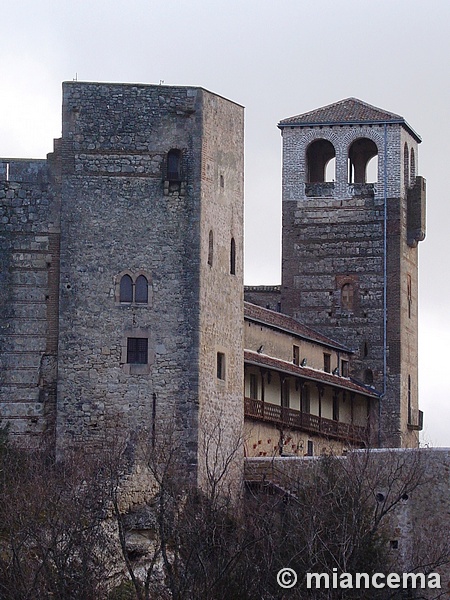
333	234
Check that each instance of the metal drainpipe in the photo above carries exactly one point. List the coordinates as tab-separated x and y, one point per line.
384	284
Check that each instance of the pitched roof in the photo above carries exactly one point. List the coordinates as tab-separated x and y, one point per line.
276	320
348	111
254	358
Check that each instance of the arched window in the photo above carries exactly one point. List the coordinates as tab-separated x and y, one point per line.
318	155
141	290
210	248
406	165
126	289
412	171
347	296
361	159
233	257
174	165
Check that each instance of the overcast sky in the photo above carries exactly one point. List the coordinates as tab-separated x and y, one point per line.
277	58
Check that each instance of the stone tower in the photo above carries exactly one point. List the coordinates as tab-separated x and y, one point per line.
121	281
353	214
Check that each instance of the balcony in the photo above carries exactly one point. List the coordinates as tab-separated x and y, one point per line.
289	417
415	420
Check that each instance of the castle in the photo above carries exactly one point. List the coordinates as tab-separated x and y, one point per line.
122	279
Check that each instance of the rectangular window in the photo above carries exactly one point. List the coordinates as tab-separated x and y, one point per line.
344	368
327	363
221	365
310	450
137	351
296	355
253	386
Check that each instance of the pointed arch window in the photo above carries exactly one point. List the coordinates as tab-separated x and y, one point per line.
141	290
233	257
126	289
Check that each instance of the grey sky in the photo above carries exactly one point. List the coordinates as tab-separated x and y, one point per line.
277	58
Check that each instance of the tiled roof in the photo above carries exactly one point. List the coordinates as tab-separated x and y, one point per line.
350	110
254	358
276	320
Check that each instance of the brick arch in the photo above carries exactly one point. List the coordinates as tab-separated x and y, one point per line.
361	151
318	153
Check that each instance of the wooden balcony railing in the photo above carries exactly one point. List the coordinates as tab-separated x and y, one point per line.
289	417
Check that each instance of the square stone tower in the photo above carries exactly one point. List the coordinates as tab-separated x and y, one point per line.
353	213
151	283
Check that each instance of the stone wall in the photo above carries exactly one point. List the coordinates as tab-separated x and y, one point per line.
334	235
123	214
29	239
417	482
267	296
221	309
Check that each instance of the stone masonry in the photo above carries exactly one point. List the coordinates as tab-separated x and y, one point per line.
108	203
349	265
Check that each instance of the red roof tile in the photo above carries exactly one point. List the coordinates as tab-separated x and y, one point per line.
350	110
276	320
254	358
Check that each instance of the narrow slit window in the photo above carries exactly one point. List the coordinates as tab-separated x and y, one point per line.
210	248
233	257
221	366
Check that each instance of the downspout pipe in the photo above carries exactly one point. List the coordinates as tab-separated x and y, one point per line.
385	220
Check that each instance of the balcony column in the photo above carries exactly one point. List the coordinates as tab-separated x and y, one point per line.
321	390
262	371
335	405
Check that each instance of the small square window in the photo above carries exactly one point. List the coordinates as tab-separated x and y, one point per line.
221	365
137	351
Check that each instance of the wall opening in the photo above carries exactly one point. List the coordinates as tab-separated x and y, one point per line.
412	171
406	164
233	257
174	165
210	248
319	158
362	152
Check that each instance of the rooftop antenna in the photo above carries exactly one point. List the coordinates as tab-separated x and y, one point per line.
161	81
76	77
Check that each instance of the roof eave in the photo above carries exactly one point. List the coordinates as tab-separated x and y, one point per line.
283	124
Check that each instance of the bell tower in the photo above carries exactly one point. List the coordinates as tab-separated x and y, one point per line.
353	214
